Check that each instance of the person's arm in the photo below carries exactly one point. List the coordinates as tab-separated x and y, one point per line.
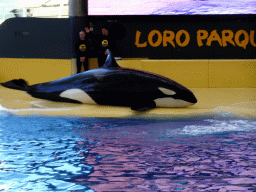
112	44
76	48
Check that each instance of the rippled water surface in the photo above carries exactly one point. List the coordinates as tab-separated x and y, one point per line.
98	154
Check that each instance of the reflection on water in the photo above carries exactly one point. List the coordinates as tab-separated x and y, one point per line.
38	154
97	154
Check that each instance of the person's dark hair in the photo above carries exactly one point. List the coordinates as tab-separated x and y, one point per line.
105	26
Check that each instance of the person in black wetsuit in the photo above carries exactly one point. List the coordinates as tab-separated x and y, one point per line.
106	41
92	51
81	52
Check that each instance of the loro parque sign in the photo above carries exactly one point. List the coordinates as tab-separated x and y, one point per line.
155	38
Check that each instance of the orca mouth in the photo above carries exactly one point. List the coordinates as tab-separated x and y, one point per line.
192	99
183	94
187	96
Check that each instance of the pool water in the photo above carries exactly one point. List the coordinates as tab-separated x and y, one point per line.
43	153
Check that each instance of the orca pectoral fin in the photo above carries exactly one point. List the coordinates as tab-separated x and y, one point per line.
143	106
19	84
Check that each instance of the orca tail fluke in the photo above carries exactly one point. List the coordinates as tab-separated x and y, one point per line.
19	84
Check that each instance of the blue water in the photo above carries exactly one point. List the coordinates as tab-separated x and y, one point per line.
42	153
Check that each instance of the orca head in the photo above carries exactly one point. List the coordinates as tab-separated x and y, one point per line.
110	61
177	98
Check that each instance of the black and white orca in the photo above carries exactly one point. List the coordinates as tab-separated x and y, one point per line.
111	85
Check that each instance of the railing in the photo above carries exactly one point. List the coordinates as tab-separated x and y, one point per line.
49	9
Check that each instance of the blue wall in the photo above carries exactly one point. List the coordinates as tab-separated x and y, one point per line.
35	38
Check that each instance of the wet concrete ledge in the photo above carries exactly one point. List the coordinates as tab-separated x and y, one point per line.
211	102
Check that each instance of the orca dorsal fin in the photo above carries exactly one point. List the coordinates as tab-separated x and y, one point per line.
110	61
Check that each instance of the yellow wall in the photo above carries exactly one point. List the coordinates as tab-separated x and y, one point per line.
190	73
232	73
34	70
37	70
201	73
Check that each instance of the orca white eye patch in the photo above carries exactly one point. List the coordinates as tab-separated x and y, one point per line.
166	91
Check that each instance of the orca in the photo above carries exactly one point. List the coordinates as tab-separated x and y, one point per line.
111	85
